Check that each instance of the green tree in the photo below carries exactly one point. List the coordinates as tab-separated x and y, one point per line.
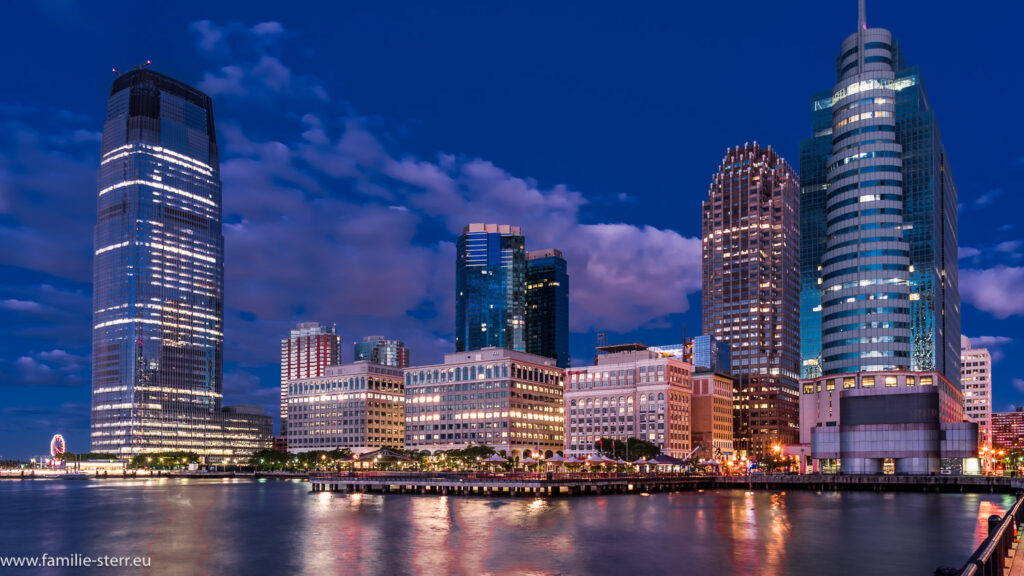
772	461
630	450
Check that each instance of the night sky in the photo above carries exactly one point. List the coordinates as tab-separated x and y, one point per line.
357	141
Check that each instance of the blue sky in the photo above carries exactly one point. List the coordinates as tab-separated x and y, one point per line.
357	140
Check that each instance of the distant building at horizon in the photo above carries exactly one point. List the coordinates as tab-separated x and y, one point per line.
976	380
880	307
381	350
1008	429
306	353
704	352
158	280
547	305
750	291
490	288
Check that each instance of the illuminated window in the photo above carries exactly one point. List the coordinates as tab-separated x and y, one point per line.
890	382
867	382
849	382
926	380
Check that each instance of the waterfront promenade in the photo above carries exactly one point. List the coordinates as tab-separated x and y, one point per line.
583	483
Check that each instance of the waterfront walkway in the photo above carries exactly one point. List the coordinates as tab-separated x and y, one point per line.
581	483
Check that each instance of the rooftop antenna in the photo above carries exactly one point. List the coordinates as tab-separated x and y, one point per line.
116	73
148	62
862	15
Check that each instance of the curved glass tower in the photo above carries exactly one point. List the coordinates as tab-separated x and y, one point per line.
866	265
879	222
880	307
158	276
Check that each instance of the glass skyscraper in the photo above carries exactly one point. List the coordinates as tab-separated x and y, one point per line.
547	305
490	288
880	359
380	350
879	222
158	284
750	290
710	353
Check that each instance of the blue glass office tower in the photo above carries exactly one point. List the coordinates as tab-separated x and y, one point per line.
383	351
490	288
158	279
878	222
547	305
712	354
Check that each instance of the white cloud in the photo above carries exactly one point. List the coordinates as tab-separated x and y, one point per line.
967	252
995	290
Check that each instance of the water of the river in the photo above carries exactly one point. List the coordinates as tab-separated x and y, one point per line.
222	527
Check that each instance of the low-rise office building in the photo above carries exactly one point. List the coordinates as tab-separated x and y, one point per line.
902	422
631	391
509	400
360	406
711	408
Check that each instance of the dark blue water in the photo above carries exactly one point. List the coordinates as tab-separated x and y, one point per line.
219	527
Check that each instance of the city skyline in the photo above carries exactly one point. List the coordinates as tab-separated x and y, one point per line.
45	299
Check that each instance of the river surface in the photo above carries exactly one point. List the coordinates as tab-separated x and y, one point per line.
223	527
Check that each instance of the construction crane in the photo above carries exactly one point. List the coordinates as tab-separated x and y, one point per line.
139	67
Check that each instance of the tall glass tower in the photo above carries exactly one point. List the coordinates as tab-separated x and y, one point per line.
158	283
490	288
879	222
547	305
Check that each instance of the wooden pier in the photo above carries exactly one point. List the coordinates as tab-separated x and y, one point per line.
510	484
583	483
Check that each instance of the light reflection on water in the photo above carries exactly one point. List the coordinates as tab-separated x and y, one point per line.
214	527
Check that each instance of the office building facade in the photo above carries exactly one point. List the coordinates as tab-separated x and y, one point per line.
711	407
879	264
360	406
158	282
381	350
306	353
630	392
547	305
1008	429
976	381
490	288
509	400
750	281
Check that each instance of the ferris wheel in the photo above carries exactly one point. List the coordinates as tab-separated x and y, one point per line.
57	446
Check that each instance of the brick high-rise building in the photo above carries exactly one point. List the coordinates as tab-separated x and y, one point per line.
751	290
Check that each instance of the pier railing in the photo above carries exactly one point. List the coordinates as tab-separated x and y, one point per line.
497	476
990	558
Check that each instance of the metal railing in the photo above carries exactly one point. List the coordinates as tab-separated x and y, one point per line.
990	558
501	476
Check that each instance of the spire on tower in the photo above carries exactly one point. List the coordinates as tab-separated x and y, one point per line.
862	16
